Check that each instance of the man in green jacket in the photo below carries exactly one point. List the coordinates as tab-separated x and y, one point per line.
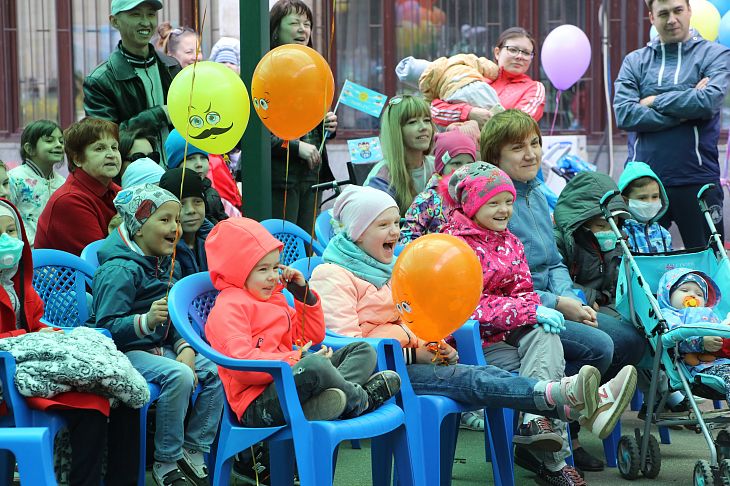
130	88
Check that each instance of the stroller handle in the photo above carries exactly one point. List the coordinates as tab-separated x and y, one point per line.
604	202
701	196
330	185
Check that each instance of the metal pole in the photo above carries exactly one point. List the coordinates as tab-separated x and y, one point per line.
255	162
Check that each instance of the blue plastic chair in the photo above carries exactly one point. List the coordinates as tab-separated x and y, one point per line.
192	298
294	238
61	280
89	253
33	451
323	229
307	265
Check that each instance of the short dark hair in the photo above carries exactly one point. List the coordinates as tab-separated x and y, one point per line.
128	137
638	184
281	9
513	33
82	134
650	4
33	132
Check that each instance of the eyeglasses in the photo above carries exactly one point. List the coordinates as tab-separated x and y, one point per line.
154	155
515	51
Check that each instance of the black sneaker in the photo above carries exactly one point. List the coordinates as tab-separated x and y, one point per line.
538	434
380	388
567	476
585	461
527	460
245	468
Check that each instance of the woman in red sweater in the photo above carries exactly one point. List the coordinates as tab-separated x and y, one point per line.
514	53
79	212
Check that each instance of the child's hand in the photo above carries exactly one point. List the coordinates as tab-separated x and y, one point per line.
712	343
292	276
304	348
325	352
187	356
157	314
447	352
50	329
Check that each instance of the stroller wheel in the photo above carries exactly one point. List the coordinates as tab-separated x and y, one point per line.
722	443
653	459
627	453
725	471
703	474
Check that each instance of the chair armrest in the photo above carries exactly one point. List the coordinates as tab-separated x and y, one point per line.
469	343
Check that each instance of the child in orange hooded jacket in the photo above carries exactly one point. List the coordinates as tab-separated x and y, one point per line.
251	320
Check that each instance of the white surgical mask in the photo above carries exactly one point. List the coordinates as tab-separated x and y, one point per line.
644	211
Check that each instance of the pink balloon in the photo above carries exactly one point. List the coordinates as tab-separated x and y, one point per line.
565	55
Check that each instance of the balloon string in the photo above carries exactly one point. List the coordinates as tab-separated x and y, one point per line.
286	184
555	116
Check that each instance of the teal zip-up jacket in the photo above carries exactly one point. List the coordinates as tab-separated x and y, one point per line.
125	285
649	237
532	225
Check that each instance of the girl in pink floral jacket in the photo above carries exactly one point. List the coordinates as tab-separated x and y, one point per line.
518	333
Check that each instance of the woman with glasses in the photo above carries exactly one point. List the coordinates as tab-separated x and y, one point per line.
290	22
134	145
406	135
181	43
514	53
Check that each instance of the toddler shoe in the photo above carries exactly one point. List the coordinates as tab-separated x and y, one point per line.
613	398
380	388
328	405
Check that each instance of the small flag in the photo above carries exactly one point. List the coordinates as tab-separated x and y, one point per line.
364	150
362	98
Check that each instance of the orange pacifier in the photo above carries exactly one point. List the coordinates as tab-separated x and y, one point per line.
690	301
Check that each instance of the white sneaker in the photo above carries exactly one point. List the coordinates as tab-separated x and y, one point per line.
613	398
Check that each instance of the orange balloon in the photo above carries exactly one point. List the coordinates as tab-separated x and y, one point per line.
436	285
292	90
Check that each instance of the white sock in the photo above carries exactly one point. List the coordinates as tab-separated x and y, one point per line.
674	398
163	468
526	417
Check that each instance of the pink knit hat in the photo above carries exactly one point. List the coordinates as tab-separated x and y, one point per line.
471	186
359	206
448	145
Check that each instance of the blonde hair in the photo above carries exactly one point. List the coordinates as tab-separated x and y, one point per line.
397	112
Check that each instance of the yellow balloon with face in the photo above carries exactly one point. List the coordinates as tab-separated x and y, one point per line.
209	105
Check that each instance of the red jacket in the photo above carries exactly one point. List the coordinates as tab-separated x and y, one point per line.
223	181
33	311
514	90
77	214
240	325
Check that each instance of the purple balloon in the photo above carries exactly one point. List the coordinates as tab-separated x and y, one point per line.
565	55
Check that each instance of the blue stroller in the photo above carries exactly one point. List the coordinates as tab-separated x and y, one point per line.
635	300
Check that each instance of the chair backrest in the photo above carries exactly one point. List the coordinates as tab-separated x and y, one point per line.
61	280
307	265
358	173
323	227
295	240
89	253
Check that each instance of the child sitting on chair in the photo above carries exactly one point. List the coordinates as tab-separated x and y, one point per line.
251	320
130	299
519	334
428	212
687	297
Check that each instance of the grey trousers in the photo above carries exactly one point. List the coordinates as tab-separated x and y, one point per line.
347	369
537	355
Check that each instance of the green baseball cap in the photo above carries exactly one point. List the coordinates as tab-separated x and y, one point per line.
124	5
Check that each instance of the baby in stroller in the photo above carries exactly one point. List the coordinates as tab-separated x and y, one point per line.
687	296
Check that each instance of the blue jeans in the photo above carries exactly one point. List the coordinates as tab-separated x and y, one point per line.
610	347
176	386
483	386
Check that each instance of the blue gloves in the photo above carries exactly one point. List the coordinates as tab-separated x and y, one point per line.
551	320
